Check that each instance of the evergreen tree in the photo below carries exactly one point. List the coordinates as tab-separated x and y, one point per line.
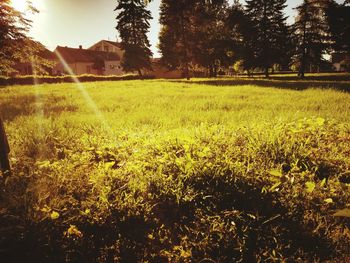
212	35
338	17
270	29
176	35
312	37
242	37
133	25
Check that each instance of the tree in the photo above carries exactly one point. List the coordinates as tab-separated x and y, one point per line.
212	36
133	25
338	18
242	38
15	44
270	29
4	150
312	37
176	35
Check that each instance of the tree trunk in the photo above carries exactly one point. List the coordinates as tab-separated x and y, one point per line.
301	73
266	72
4	150
140	73
184	40
186	72
215	71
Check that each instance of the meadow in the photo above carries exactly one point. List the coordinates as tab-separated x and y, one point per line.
224	170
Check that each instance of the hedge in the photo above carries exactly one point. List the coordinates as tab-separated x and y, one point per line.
31	80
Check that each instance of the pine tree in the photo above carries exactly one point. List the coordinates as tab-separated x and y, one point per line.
242	36
212	46
133	25
175	39
338	18
312	34
270	29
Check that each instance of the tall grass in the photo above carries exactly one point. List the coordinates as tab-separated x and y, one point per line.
184	172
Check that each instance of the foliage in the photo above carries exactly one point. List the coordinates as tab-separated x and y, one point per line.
15	45
28	80
212	50
133	26
182	172
176	38
270	31
312	35
338	18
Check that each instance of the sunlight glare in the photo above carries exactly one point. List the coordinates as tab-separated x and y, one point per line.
85	94
20	5
39	103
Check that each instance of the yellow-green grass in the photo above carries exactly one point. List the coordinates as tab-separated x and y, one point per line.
164	105
180	171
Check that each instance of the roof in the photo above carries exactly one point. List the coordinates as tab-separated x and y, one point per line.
73	55
116	44
47	54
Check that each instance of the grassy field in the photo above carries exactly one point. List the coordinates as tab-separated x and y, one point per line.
177	171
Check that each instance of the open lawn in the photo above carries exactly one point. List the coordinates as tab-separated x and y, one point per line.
218	170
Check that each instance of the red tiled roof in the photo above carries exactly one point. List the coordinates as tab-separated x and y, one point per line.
73	55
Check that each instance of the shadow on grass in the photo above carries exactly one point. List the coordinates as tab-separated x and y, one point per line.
230	220
26	105
18	106
277	82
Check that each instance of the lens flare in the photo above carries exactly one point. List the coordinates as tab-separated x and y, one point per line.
83	91
39	105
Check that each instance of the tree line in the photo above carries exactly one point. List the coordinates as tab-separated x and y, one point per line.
206	36
211	35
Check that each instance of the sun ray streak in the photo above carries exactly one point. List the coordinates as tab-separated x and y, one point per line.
38	102
83	91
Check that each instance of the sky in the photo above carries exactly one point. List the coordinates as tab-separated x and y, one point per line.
85	22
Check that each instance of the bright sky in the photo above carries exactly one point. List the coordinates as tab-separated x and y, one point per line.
85	22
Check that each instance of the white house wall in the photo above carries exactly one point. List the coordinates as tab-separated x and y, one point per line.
113	68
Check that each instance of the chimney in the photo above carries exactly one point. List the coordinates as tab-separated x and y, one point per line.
80	47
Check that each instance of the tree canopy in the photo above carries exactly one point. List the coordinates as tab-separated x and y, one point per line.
15	44
133	25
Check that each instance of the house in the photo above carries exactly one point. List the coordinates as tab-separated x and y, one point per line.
341	61
86	61
159	70
108	46
102	58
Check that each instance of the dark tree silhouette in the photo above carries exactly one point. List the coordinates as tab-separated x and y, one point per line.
242	36
133	25
312	34
270	31
4	150
338	17
177	34
212	37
